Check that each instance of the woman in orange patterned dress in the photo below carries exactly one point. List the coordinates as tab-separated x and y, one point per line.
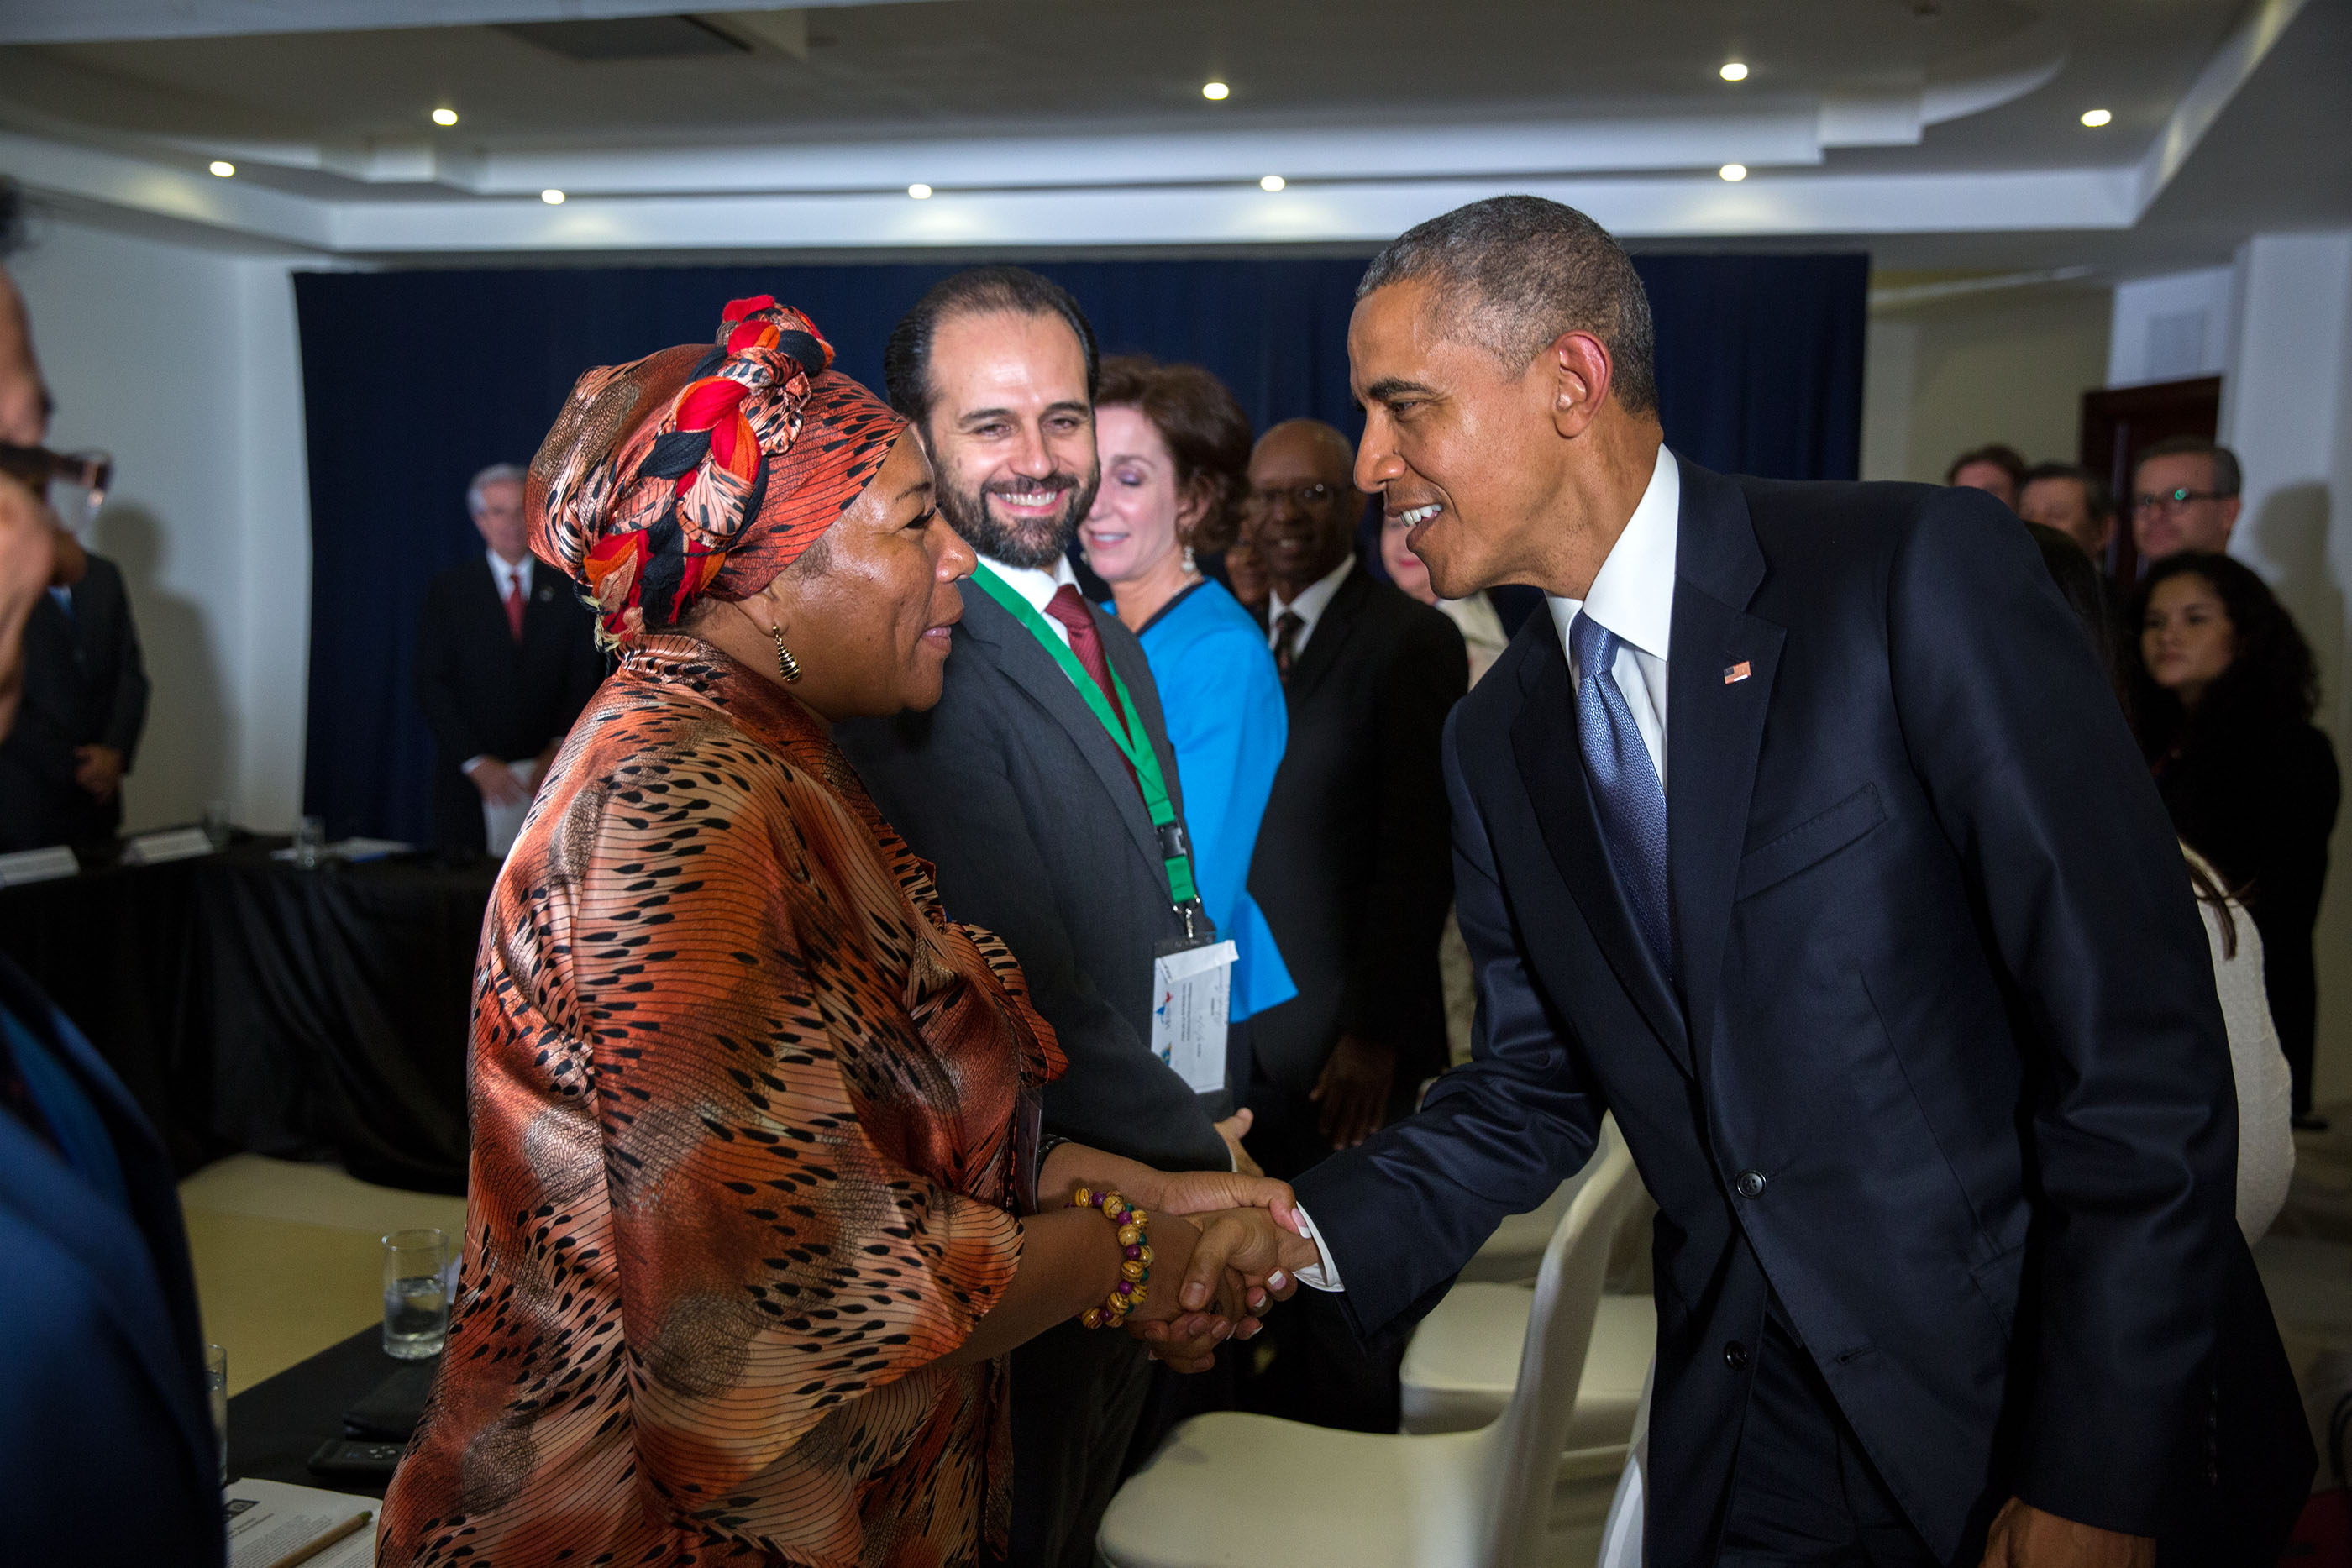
745	1243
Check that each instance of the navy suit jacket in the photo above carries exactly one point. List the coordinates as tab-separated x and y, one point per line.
106	1436
1945	1070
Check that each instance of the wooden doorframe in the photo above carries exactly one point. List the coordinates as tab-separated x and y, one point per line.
2120	423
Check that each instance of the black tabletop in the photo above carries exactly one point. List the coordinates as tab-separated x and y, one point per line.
250	1004
278	1424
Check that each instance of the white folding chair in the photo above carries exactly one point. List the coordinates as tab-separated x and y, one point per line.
1232	1490
1463	1361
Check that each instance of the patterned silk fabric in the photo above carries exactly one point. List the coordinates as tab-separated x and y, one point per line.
702	470
744	1112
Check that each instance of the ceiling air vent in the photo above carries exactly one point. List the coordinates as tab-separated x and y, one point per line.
626	39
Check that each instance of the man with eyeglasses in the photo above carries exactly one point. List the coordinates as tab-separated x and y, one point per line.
85	689
2184	496
1353	869
105	1370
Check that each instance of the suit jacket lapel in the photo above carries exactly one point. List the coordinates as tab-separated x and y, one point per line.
1720	684
1332	629
1037	673
1543	740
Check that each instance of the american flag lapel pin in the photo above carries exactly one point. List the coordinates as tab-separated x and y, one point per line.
1735	673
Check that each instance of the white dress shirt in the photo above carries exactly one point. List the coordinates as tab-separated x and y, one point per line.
1632	595
507	574
1038	586
504	575
1313	599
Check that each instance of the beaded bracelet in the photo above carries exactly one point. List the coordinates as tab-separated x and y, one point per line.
1134	1236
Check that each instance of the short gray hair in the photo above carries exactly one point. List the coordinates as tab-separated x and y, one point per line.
2229	479
1517	272
496	474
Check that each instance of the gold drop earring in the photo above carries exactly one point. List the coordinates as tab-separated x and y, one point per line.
786	665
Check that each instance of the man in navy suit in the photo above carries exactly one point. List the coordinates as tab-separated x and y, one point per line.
107	1447
1804	834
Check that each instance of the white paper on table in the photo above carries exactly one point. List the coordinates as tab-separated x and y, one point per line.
502	824
171	844
269	1519
1192	991
38	865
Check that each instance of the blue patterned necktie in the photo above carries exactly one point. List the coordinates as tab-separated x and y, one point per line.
1625	787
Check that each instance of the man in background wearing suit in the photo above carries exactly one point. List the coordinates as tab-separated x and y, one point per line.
85	704
505	662
1013	790
1354	850
1805	835
1353	870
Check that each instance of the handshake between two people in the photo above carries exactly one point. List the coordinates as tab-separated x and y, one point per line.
1226	1246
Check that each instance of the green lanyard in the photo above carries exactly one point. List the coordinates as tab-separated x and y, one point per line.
1127	732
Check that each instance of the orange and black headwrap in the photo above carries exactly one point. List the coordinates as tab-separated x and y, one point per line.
702	473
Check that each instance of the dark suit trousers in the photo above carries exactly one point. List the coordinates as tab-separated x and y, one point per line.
1802	1491
1322	1373
1077	1394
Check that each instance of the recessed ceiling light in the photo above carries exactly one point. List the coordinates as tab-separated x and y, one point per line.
223	167
919	191
2095	118
444	117
1733	71
1272	182
1215	92
1734	172
552	196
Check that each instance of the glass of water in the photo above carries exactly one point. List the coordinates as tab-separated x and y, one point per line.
309	841
416	1280
216	1385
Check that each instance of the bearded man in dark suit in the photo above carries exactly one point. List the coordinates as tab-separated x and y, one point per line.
1012	788
1804	834
506	658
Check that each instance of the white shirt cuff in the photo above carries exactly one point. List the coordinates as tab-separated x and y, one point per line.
1325	1275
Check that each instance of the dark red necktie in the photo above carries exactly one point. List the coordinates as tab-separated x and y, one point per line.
1070	610
514	605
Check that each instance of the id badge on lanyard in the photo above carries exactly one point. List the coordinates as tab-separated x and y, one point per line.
1192	978
1191	990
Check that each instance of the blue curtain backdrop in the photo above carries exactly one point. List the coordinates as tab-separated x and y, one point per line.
414	380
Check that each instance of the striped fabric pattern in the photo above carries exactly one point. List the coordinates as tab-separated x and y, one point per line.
742	1169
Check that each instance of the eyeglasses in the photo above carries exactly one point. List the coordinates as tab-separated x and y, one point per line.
73	483
2172	499
1307	497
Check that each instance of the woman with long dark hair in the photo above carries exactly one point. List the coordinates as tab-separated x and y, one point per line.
2224	691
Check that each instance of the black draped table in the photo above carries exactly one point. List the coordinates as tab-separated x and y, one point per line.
252	1005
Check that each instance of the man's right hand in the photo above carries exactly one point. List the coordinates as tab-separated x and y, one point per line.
1234	1129
496	783
1244	1246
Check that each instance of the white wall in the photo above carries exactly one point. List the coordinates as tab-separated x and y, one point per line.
2171	327
181	362
2286	409
2010	366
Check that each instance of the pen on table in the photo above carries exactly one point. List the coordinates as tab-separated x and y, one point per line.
304	1553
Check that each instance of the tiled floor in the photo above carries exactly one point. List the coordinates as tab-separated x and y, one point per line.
288	1257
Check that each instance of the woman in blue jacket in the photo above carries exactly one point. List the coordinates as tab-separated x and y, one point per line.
1175	458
